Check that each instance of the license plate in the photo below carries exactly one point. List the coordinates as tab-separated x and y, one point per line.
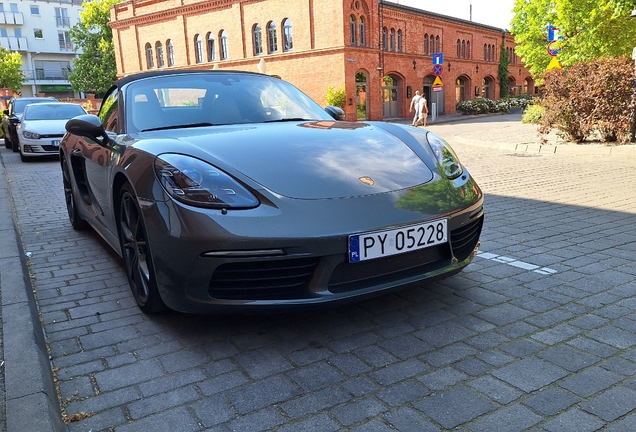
379	244
56	143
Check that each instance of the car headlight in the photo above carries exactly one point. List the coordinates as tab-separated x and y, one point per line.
30	135
446	158
197	183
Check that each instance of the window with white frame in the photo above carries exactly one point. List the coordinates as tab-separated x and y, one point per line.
35	10
287	35
64	39
38	34
61	17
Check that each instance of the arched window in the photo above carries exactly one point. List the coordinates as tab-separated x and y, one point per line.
363	32
159	51
352	30
272	43
223	42
198	48
425	43
485	52
438	47
432	44
459	48
399	43
150	60
392	47
463	49
384	38
467	49
210	47
170	49
257	39
288	44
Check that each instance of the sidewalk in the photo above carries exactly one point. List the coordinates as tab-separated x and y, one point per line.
29	400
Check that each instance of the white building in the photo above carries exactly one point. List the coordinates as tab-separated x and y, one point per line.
39	30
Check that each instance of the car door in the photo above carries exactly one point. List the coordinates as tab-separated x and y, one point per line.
93	162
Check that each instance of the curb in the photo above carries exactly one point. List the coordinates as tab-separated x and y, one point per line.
548	149
31	399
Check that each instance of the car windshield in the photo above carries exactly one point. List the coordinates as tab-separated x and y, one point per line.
53	112
215	98
20	104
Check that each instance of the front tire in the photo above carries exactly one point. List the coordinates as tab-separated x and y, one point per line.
71	207
15	145
136	252
7	141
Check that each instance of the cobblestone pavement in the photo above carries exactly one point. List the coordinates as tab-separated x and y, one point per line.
538	333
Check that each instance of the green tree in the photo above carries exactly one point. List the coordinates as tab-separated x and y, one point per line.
95	70
590	28
11	75
502	72
336	97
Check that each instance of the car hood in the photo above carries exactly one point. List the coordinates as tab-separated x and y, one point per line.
311	160
45	127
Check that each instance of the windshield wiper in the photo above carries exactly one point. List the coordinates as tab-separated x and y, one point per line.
287	120
191	125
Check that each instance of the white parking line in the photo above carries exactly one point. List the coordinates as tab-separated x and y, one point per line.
516	263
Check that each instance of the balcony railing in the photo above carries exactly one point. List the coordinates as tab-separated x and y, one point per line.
14	43
63	21
11	18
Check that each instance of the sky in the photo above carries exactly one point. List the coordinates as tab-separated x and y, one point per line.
496	13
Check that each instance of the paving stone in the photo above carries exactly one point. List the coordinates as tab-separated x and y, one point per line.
590	381
455	406
573	420
402	394
358	410
568	358
495	389
260	394
550	401
612	404
530	374
408	420
316	376
512	418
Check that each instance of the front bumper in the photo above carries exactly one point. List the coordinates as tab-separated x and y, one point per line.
276	257
39	147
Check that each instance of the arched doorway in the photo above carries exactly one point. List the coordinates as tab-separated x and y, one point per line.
528	86
461	89
433	96
390	98
488	88
361	95
512	86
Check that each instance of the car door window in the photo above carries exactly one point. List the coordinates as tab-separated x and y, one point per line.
108	114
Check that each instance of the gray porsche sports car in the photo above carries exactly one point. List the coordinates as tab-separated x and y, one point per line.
230	191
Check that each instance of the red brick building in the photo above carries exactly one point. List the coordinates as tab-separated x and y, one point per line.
381	52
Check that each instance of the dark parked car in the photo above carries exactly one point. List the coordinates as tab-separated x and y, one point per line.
232	191
13	115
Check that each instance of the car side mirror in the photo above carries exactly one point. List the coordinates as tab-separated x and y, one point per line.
89	126
336	112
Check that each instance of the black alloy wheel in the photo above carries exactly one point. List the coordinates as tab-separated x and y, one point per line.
76	220
136	253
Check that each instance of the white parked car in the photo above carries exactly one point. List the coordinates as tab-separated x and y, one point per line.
42	128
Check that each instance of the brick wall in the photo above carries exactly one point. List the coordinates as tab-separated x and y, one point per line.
322	54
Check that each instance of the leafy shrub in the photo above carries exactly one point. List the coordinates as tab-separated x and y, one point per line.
592	98
484	106
336	97
533	114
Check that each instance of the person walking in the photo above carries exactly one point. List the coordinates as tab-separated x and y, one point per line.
415	104
423	112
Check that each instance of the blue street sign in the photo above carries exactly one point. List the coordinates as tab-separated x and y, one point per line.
438	58
553	33
437	70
